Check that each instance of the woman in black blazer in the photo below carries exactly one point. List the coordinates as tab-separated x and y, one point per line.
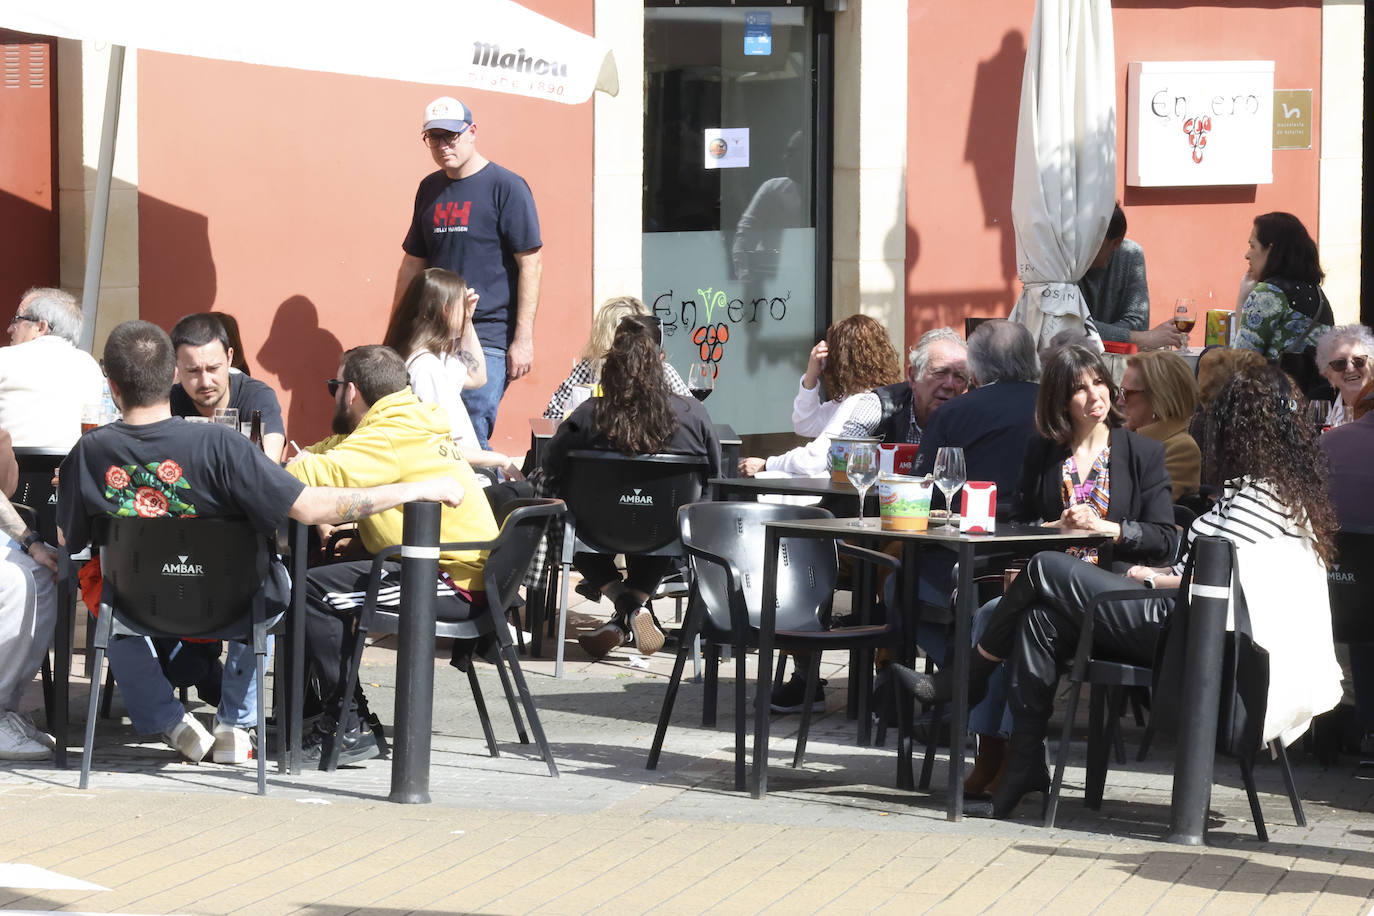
1086	472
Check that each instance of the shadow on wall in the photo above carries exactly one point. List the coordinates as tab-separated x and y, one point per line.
991	144
990	150
28	249
303	356
172	235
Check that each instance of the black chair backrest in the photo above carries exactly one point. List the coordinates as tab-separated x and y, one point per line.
1350	583
1183	520
35	490
522	528
807	567
628	504
182	576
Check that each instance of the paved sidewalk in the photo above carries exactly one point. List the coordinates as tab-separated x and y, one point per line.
501	836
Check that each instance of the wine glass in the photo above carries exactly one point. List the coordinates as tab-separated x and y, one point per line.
950	476
1185	315
862	470
701	380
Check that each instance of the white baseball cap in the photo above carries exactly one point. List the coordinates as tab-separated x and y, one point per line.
447	113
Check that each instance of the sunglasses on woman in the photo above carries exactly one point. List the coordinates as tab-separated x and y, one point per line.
1358	362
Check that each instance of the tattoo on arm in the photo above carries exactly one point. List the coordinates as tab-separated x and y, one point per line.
354	505
469	360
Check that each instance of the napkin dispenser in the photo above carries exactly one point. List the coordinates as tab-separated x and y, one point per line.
978	513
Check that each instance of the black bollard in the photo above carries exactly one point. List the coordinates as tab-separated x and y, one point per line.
415	654
1200	691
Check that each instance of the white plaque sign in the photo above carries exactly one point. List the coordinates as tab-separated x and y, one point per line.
1195	123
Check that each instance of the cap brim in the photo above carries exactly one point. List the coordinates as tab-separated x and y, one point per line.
456	127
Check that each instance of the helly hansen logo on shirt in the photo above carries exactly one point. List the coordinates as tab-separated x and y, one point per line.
449	217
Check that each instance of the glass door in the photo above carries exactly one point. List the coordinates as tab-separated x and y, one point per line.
736	159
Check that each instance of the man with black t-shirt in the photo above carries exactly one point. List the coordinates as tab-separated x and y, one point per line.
204	381
477	219
152	464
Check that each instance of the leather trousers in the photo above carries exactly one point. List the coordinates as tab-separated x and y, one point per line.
1037	624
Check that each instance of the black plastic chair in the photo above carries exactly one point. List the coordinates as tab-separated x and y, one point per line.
724	542
1108	678
1106	703
1350	584
508	560
621	504
182	577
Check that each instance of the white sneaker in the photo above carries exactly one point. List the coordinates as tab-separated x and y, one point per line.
22	722
16	745
189	738
232	744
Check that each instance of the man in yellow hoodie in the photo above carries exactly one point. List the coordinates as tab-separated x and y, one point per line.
383	434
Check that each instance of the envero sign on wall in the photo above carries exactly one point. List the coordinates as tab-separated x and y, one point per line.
1193	123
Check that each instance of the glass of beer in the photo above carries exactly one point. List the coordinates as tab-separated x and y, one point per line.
1185	315
91	416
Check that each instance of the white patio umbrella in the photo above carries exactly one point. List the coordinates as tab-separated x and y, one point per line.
1064	187
496	45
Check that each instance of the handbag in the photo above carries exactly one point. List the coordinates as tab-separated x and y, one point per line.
1244	676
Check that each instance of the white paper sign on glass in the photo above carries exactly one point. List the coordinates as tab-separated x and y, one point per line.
1199	123
726	148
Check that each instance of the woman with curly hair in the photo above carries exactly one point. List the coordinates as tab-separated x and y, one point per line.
1273	487
636	414
1287	304
587	369
855	357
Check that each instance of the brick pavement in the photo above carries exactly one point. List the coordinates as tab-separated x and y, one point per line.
501	836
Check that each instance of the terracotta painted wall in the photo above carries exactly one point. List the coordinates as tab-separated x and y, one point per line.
282	197
965	86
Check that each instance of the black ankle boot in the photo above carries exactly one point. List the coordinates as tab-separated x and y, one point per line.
938	689
1026	772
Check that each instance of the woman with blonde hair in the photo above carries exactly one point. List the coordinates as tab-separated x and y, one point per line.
587	370
1158	398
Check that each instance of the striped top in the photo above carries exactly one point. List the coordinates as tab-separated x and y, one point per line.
1248	512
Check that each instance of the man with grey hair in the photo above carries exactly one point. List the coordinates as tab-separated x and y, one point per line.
45	380
993	422
936	372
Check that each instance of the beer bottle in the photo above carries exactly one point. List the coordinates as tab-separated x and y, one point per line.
255	430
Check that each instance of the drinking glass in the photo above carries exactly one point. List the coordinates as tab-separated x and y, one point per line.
1185	314
862	470
92	415
701	380
950	477
229	416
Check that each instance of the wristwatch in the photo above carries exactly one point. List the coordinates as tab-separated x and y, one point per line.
29	540
1149	580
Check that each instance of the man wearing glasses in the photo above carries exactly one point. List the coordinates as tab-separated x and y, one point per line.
477	219
45	379
937	370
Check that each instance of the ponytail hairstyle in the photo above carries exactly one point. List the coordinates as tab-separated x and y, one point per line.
634	410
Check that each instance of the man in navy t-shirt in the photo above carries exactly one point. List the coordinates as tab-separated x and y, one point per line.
477	219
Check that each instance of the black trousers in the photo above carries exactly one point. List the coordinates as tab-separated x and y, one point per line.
642	573
1038	621
334	598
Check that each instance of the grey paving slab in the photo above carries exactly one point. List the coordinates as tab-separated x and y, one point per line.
501	836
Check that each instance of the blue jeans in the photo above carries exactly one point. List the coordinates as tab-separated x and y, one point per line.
153	706
992	716
482	402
